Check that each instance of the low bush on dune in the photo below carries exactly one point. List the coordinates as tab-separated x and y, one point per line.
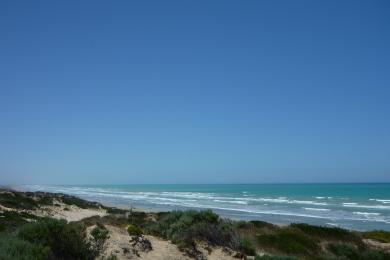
65	240
378	235
12	247
247	247
137	218
17	200
289	241
52	239
327	233
99	235
134	230
70	200
185	227
11	220
268	257
345	251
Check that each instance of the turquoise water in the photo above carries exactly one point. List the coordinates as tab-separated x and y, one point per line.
353	206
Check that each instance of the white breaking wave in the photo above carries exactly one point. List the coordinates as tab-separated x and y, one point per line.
317	209
367	213
242	203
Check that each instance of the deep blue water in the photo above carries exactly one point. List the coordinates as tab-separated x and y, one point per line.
353	206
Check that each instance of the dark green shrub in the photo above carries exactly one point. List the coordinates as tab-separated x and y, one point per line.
261	224
134	230
185	227
137	218
17	200
290	241
66	240
111	257
378	235
70	200
267	257
11	220
99	236
332	233
247	247
12	247
342	250
375	255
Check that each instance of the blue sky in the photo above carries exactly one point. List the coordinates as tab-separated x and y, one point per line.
97	92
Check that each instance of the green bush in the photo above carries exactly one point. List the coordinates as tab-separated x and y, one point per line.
343	251
11	220
290	241
378	235
12	247
134	230
99	236
185	227
17	200
137	218
71	200
267	257
65	240
247	247
333	233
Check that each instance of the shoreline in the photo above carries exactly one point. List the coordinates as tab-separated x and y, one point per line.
202	234
327	210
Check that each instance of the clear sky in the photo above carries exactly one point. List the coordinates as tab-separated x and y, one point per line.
121	92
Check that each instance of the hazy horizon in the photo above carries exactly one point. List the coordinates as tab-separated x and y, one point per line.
194	92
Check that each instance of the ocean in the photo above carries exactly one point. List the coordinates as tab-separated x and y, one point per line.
351	206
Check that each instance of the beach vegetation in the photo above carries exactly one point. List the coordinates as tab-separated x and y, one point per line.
65	240
134	230
13	247
17	200
378	235
347	251
99	236
275	257
247	247
71	200
11	220
184	228
327	233
289	241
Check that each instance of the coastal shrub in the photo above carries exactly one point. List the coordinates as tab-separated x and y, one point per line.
247	247
11	220
112	210
99	236
289	241
12	247
262	224
185	227
378	235
344	251
65	240
16	200
71	200
111	257
137	218
268	257
333	233
134	230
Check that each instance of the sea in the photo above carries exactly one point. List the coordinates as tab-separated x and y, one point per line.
352	206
